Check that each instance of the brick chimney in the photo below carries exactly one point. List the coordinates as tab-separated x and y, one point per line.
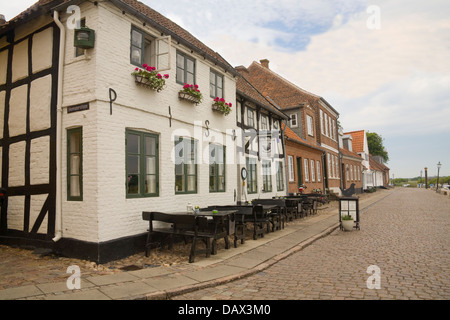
2	20
265	63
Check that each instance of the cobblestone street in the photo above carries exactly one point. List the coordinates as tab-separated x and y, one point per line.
407	235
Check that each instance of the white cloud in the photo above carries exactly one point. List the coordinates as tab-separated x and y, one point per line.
10	9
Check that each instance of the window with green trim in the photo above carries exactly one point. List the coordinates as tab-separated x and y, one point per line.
142	164
280	176
142	48
75	164
267	175
185	69
185	165
216	168
252	181
215	84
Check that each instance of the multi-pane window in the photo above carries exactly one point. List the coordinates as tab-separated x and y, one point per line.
142	164
185	69
185	165
267	175
310	125
216	168
321	122
313	172
291	168
215	84
250	117
264	123
75	164
305	162
252	183
294	122
318	171
141	48
280	176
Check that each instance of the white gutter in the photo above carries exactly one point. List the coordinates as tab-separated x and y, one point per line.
62	45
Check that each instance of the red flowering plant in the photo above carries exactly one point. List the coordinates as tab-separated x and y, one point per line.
192	90
148	76
222	106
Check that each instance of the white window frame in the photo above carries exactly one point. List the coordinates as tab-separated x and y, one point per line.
313	172
321	122
310	125
291	169
318	171
294	118
305	163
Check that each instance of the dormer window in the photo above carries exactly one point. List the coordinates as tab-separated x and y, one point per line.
294	122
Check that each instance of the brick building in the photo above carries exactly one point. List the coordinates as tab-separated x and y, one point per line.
312	119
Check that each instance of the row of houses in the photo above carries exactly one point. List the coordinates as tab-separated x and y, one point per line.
87	143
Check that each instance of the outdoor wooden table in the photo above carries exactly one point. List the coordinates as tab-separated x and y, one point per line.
204	225
276	208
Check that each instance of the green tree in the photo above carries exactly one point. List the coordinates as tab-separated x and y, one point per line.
376	147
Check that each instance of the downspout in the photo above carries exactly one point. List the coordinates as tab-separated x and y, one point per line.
286	164
58	205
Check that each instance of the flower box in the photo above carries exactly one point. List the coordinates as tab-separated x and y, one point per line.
188	97
149	78
220	105
190	93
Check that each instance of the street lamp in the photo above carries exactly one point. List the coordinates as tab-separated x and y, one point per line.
439	165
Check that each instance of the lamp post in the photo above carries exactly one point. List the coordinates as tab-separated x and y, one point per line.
437	183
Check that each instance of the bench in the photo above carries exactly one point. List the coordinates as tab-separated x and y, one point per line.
185	225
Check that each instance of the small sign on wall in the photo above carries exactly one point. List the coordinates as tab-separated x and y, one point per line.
78	107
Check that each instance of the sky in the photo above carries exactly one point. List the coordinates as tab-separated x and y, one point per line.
383	65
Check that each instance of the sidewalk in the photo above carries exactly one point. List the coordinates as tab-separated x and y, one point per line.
162	283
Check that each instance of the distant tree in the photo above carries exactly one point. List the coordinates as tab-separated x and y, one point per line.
376	147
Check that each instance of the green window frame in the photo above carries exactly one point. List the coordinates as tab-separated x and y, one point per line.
186	171
141	48
185	69
75	164
142	164
267	175
215	84
252	180
217	172
280	176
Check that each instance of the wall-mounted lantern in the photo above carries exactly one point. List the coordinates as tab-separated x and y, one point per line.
84	38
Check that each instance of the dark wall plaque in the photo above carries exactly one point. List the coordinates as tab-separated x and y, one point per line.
78	107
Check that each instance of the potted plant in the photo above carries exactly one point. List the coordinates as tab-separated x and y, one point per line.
148	77
191	93
347	223
220	105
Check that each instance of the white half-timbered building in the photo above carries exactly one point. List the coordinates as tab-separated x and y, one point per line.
86	146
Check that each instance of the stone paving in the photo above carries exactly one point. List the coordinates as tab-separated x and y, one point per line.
407	235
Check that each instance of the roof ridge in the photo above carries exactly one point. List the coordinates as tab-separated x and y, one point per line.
285	80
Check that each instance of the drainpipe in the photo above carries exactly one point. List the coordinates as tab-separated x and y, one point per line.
62	45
